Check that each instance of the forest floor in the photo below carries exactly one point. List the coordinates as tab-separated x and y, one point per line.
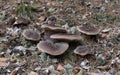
21	56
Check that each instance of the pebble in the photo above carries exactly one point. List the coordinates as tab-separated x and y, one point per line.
33	73
106	30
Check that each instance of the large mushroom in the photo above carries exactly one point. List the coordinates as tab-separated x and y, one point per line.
88	29
30	34
83	50
52	29
67	37
52	48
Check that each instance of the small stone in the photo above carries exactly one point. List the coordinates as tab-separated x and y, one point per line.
32	48
19	48
66	26
84	63
51	68
37	68
54	60
60	67
73	30
107	1
52	18
46	71
2	54
106	30
51	10
102	9
92	73
42	18
69	68
37	23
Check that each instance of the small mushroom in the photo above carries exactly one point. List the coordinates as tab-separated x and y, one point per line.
52	48
83	50
88	30
67	37
54	28
30	34
21	21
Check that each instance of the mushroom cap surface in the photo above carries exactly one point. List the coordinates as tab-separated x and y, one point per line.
89	30
20	21
52	48
30	34
68	37
54	28
83	50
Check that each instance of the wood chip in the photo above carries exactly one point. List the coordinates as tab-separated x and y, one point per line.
92	73
3	61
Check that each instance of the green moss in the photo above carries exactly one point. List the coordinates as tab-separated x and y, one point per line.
44	58
98	17
24	10
61	22
110	18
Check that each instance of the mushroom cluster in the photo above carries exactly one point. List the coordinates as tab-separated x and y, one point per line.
56	40
89	30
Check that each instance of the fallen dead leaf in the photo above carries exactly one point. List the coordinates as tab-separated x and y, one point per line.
33	73
3	59
77	69
3	64
118	73
106	67
14	72
92	73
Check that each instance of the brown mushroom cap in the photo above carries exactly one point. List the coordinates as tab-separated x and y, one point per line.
89	30
30	34
54	28
52	48
68	37
83	50
20	21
